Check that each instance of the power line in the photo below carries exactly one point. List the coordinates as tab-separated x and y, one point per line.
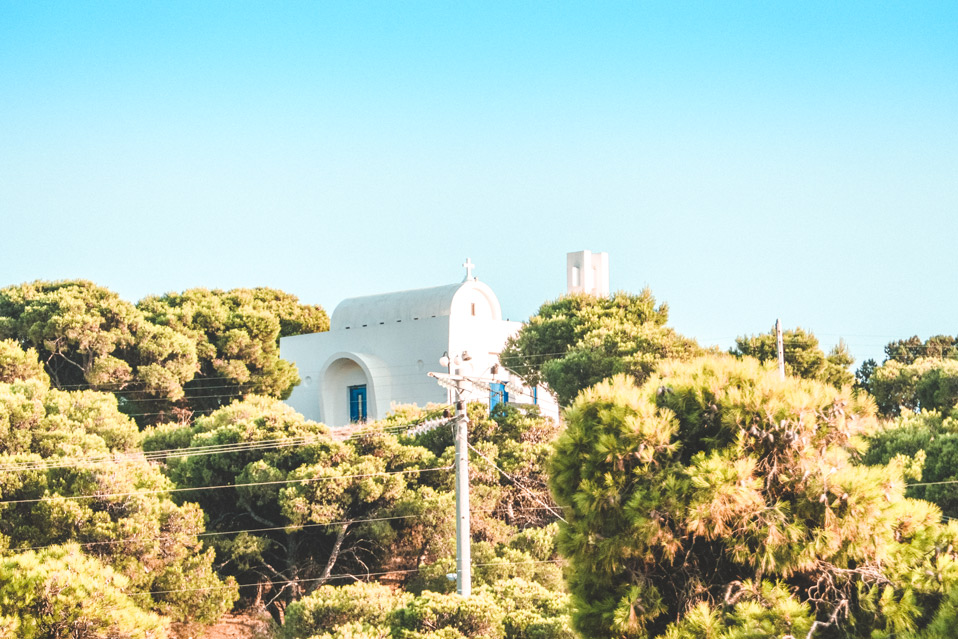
135	387
112	542
933	483
198	451
357	577
213	533
201	412
199	488
517	484
159	455
535	358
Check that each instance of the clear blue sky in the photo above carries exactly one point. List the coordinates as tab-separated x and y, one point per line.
745	160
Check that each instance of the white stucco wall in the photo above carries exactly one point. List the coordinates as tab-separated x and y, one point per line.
396	358
390	343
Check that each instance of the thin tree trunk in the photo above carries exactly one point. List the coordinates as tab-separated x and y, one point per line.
292	551
334	555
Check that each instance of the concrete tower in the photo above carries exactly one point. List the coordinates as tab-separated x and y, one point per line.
588	272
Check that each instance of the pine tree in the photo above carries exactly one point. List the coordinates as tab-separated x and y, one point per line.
720	501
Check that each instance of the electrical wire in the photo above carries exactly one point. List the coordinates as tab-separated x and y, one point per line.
113	542
198	451
357	577
525	362
160	455
933	483
516	482
201	488
213	533
129	388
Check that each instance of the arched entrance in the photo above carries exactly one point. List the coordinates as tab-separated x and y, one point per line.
348	392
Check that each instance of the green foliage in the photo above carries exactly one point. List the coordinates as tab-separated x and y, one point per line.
915	376
236	337
168	357
720	501
478	616
425	537
749	611
531	610
84	499
803	357
579	340
370	604
294	318
930	442
864	373
507	609
906	351
314	507
924	384
65	493
61	592
503	561
17	365
86	336
538	543
356	630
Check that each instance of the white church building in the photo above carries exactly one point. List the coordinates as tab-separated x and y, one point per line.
385	350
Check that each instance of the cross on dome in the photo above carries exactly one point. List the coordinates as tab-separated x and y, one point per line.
468	266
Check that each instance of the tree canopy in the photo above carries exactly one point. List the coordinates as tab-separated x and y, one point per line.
507	609
906	351
71	472
17	365
803	356
372	502
915	376
929	440
110	527
167	357
87	337
691	497
236	335
578	340
717	500
61	592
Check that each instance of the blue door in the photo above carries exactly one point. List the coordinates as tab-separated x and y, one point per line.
497	394
357	403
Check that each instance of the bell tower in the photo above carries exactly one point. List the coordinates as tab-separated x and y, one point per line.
588	272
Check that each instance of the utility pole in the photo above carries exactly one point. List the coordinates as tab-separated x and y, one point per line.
463	532
781	348
454	382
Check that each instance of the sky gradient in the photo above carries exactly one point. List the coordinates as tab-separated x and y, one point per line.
744	160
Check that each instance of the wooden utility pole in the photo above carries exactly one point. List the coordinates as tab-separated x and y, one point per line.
781	348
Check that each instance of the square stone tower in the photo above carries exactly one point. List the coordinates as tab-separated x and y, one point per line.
588	272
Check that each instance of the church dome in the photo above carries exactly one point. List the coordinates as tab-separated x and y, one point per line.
469	298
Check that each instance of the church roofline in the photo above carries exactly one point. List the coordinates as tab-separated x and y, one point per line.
415	304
